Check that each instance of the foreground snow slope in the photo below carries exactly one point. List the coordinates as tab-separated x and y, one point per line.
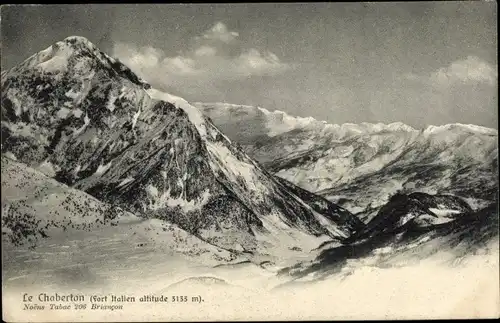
418	281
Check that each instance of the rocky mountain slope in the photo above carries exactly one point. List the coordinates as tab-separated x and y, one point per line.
361	166
35	207
86	120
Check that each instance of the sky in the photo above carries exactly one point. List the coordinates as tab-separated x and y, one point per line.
421	63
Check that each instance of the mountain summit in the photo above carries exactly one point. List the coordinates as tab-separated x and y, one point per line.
88	121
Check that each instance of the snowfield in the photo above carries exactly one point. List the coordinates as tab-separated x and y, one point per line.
111	261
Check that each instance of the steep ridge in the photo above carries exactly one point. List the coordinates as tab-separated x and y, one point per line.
86	120
323	206
361	166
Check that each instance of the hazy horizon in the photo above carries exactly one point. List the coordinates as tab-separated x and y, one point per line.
420	63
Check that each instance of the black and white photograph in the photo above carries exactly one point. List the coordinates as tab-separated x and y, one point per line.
249	161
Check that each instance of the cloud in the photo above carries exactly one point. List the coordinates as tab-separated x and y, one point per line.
471	70
146	60
220	32
464	91
464	72
205	51
201	67
253	62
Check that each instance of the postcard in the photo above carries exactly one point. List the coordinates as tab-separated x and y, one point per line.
256	162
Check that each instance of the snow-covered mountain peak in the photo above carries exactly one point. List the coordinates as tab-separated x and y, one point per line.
394	126
99	128
77	56
55	58
74	56
460	127
80	41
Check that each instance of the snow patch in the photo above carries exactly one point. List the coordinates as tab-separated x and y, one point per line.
405	219
125	181
47	168
63	113
55	58
157	201
76	170
135	118
458	127
476	204
10	155
21	105
110	105
77	112
444	212
72	94
280	122
103	168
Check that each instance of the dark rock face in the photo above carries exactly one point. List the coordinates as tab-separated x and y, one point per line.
102	130
331	210
412	212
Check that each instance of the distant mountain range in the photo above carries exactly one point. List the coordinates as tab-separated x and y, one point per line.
359	166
